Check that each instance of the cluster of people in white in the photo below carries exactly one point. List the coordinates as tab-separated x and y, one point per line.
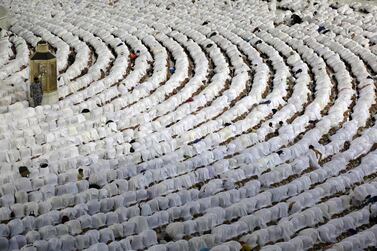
191	125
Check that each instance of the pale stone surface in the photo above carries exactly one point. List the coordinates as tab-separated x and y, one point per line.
50	98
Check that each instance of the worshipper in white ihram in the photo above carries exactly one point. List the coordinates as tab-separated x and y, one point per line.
314	157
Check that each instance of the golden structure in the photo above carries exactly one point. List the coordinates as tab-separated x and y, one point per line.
43	67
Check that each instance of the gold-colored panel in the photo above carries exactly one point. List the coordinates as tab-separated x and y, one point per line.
43	66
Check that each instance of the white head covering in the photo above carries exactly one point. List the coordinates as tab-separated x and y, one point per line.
17	242
117	230
129	228
115	246
4	243
99	247
106	235
98	220
74	227
32	236
149	238
136	242
93	236
141	223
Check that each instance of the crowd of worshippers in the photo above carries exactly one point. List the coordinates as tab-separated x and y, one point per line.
314	154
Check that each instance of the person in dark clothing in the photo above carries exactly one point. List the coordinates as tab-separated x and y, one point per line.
65	218
190	100
321	29
196	141
95	186
24	171
80	175
370	200
36	92
172	70
43	165
267	102
296	19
